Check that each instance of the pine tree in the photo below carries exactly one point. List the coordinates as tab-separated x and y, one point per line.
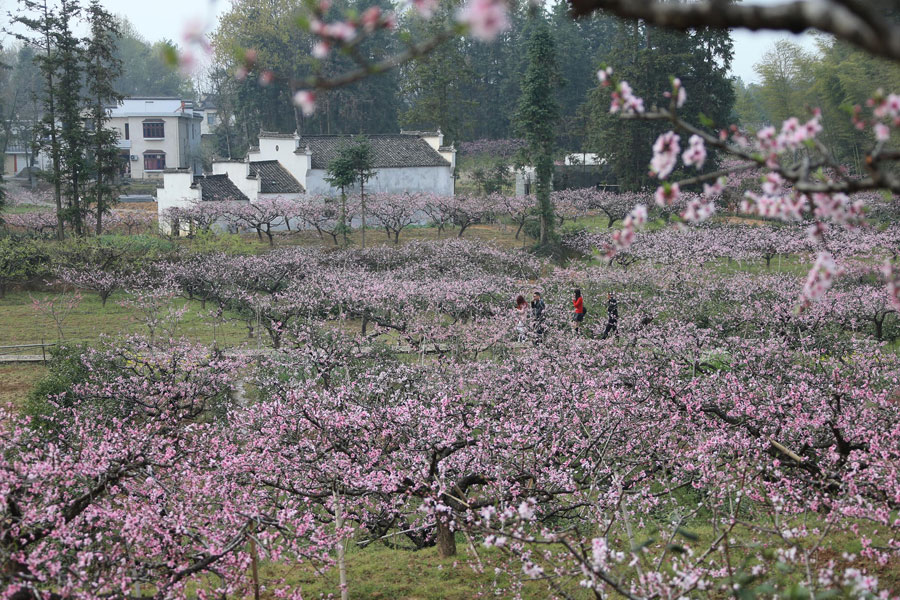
435	87
42	21
342	175
353	164
102	70
70	102
538	115
648	58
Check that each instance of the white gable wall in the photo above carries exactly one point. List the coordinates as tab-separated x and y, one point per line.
437	180
284	151
176	192
238	173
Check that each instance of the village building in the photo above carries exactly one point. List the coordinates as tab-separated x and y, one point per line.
182	189
288	166
19	157
156	134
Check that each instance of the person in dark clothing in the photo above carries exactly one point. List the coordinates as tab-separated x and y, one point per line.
537	315
578	317
612	316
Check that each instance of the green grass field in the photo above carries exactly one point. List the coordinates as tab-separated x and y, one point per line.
21	323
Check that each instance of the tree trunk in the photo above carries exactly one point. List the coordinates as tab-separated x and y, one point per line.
446	541
343	216
362	200
342	563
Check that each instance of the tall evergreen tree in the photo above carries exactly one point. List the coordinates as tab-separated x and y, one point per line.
102	70
537	117
353	165
434	88
342	175
37	17
648	58
70	103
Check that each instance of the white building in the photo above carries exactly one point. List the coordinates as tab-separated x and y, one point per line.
259	180
182	189
410	161
287	166
156	134
18	157
585	158
210	112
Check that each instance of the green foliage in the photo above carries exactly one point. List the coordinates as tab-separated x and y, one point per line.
537	115
281	42
648	58
834	80
145	70
21	260
494	179
65	369
209	242
437	85
111	252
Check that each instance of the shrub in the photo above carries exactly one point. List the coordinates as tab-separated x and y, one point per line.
65	370
21	260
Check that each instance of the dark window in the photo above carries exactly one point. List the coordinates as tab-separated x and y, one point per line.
127	132
154	161
154	129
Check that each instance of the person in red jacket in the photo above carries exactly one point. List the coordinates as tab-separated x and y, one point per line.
578	303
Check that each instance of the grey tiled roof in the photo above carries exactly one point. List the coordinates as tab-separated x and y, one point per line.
389	150
276	135
275	178
218	188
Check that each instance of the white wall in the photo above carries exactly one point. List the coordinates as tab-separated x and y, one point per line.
438	180
176	192
181	143
237	172
283	150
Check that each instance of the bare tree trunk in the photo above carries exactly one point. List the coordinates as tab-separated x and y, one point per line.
362	199
446	541
342	563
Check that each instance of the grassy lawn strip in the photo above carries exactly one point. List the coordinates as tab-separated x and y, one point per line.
20	323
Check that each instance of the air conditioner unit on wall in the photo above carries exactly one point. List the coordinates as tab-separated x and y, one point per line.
133	158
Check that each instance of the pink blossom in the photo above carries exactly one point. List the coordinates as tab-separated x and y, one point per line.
604	74
266	78
882	132
820	278
370	18
485	18
667	194
665	154
698	210
321	49
306	100
425	8
340	30
623	99
696	152
680	93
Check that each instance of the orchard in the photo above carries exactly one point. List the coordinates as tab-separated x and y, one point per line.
245	399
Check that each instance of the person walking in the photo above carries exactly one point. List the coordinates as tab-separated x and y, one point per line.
578	316
521	315
537	315
612	316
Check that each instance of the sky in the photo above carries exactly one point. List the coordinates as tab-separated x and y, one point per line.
158	19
